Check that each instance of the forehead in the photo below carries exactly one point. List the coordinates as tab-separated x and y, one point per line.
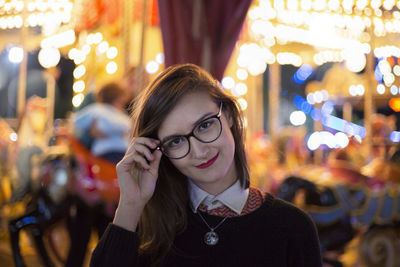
186	112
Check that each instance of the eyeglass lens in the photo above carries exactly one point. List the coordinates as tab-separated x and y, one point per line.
206	131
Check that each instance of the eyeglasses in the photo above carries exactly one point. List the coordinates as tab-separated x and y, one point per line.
206	131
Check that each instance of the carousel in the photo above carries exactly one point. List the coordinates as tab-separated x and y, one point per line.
318	82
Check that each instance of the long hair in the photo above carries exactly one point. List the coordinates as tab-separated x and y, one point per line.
165	215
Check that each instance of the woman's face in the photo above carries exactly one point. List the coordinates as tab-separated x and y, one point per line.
209	165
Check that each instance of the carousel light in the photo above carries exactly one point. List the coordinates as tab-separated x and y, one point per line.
310	99
325	95
380	88
91	39
318	97
292	4
398	4
102	47
16	54
341	140
73	53
388	4
375	4
388	79
360	89
257	67
77	100
394	90
79	71
328	139
314	141
297	118
333	5
319	5
228	82
49	57
239	89
395	136
18	22
112	52
78	86
111	67
86	49
327	108
305	4
394	103
79	57
242	74
160	58
303	73
361	4
354	60
243	103
14	137
396	70
33	20
152	67
98	37
65	17
59	40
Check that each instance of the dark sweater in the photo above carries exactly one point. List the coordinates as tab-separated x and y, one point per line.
277	235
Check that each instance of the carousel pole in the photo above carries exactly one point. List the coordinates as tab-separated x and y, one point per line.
22	67
347	111
369	108
142	44
50	93
126	35
274	93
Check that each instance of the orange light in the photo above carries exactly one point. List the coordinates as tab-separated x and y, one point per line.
394	103
390	60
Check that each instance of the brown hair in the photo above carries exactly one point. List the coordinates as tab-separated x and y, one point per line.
109	93
158	228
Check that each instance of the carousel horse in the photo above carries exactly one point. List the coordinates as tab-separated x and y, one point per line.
343	202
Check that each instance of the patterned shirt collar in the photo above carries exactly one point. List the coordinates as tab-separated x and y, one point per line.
234	197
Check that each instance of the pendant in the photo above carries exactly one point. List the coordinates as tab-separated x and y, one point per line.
211	238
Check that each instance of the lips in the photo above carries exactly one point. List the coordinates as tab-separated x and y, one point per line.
208	163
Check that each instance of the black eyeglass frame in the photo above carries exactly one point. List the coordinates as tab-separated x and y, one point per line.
217	116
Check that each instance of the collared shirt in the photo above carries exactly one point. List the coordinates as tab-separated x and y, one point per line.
234	197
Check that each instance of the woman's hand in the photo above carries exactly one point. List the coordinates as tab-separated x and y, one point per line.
137	177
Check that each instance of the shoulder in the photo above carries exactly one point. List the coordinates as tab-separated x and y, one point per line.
286	215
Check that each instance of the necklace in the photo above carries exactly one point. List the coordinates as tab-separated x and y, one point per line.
211	238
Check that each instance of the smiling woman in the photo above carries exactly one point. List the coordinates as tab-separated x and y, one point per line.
185	196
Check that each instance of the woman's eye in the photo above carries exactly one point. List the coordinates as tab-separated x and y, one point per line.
175	142
205	125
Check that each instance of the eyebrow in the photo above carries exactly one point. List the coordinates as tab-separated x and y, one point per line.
203	117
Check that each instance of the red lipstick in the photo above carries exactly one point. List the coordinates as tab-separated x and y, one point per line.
208	163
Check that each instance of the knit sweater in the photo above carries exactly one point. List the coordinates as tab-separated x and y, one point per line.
277	234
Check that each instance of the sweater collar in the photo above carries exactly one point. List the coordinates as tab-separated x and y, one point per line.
234	197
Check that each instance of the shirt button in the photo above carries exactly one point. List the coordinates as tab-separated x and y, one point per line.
214	202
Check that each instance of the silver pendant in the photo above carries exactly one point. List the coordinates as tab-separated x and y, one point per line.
211	238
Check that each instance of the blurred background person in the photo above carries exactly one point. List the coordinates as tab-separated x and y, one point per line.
103	126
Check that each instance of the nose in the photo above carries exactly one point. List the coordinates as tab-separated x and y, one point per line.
198	149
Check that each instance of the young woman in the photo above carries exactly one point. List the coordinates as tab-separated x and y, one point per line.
185	196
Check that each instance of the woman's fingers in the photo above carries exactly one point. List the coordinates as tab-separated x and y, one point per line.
139	153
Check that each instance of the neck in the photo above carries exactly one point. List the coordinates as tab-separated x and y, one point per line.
215	189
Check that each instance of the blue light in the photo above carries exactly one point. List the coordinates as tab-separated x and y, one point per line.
316	114
395	137
303	73
327	107
378	75
298	101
